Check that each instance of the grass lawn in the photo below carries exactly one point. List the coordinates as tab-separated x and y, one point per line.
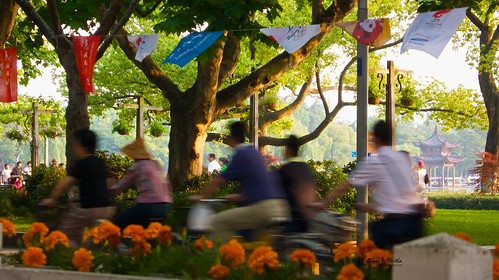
481	225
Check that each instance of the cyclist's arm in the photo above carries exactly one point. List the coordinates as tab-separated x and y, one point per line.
62	186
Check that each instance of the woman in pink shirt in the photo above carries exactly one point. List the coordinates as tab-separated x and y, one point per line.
155	191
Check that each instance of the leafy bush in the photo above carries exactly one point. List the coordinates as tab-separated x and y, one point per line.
116	163
452	200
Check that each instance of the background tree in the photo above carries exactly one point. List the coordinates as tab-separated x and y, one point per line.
8	13
482	27
57	21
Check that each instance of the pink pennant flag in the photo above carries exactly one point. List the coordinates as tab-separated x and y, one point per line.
145	44
292	38
85	52
8	75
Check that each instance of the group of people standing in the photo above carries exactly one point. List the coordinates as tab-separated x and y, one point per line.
214	166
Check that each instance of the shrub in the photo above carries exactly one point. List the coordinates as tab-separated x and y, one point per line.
116	163
452	200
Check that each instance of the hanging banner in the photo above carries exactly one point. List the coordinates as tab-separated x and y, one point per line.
369	32
8	75
292	38
145	44
430	32
191	46
85	52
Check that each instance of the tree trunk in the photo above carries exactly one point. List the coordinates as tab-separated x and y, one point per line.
186	146
76	112
8	13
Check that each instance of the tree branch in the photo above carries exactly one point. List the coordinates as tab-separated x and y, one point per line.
230	59
30	11
124	19
109	18
474	19
144	14
321	94
430	110
270	117
282	63
149	68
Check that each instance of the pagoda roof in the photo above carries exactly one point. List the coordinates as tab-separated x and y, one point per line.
439	159
436	140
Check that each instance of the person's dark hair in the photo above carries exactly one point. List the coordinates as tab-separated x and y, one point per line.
212	156
293	145
238	131
87	139
382	132
6	165
29	162
19	162
224	160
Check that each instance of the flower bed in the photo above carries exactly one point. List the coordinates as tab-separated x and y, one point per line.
153	253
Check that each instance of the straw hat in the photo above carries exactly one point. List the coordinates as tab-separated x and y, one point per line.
137	150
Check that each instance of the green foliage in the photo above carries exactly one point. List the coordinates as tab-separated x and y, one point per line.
122	127
156	129
327	176
17	133
452	200
116	164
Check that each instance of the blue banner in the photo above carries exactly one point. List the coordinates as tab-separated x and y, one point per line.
191	46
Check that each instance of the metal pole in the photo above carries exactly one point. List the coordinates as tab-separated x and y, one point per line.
139	129
362	112
46	151
35	157
390	101
254	120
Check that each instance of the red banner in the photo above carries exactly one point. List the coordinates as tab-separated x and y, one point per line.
8	75
85	52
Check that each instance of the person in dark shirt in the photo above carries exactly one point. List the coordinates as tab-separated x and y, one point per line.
261	197
90	173
298	182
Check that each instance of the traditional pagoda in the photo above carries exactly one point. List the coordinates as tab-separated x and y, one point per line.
436	154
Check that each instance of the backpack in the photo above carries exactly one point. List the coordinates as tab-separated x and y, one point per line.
426	179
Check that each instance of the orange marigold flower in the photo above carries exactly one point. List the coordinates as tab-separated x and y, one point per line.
165	235
135	231
27	239
219	271
366	246
495	270
201	243
463	236
496	251
345	250
82	259
378	257
350	272
8	228
140	247
152	230
110	232
232	253
39	227
261	257
304	256
34	257
54	238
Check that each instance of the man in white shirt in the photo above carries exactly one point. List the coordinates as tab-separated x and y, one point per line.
6	174
213	166
395	194
27	169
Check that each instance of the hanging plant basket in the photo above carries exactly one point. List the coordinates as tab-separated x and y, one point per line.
407	102
271	105
156	129
373	100
123	131
157	134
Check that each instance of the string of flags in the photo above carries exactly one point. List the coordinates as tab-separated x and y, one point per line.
430	32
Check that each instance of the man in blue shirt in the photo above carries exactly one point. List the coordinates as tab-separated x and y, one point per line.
261	196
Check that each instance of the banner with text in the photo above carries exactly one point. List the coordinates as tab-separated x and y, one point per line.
145	44
430	32
191	46
369	32
8	75
292	38
85	52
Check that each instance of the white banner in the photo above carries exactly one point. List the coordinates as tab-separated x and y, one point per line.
430	32
145	44
292	38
